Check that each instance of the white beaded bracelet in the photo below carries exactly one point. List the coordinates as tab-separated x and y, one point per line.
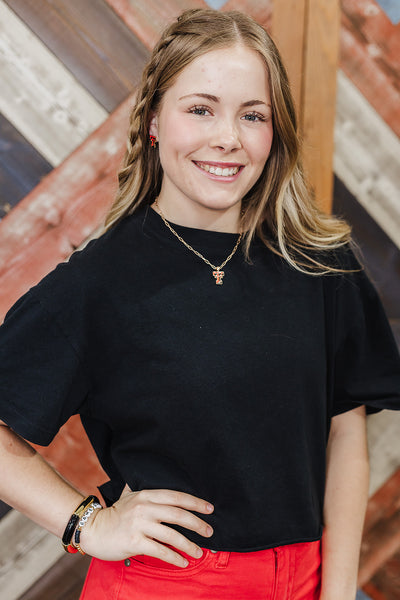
84	519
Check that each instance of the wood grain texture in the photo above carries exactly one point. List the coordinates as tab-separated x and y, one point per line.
370	56
64	581
291	42
39	96
147	18
366	157
93	43
319	96
21	167
260	11
381	539
62	211
28	553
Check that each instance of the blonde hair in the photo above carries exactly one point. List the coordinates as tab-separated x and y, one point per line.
279	208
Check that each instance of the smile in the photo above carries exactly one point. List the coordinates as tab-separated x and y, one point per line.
219	171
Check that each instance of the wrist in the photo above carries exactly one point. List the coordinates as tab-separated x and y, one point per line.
87	534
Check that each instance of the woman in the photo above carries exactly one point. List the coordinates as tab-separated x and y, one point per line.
220	342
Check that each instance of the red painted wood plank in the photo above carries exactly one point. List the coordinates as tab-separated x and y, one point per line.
384	502
62	211
381	538
262	12
387	579
372	65
147	18
374	26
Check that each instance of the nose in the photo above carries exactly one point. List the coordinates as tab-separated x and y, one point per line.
225	136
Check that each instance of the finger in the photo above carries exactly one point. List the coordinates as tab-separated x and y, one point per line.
177	516
152	548
167	535
175	498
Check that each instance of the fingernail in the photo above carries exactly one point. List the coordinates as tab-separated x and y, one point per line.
185	563
209	530
199	552
210	507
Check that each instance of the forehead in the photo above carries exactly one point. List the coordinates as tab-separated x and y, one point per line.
235	70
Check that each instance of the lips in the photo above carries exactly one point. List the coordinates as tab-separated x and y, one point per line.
219	169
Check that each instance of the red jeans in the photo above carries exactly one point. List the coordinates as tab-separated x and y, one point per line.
291	572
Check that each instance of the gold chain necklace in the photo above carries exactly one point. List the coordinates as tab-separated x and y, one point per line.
217	273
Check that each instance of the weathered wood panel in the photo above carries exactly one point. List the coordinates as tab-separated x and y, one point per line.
27	551
147	18
90	39
21	167
62	211
370	56
291	40
64	581
39	96
381	539
260	11
367	157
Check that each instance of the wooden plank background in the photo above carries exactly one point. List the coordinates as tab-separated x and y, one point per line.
91	41
90	55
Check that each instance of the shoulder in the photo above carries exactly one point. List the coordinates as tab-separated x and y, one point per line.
93	269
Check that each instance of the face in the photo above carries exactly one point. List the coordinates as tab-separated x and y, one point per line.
214	129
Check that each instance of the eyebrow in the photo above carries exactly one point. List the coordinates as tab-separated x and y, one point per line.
216	99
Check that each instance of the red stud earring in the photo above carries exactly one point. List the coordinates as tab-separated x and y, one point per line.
153	140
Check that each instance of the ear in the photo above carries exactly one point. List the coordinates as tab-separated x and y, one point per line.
153	127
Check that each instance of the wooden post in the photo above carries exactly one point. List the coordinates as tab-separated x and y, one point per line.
307	34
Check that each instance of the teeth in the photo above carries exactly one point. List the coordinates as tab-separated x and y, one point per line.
227	172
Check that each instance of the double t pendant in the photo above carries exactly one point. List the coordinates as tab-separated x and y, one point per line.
217	273
218	276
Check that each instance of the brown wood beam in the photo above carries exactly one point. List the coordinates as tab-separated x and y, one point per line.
307	33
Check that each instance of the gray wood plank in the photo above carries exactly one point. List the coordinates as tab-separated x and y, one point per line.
39	96
21	166
92	41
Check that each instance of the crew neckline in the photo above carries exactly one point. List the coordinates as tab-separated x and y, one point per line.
153	224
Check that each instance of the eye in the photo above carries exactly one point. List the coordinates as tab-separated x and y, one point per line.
199	110
254	117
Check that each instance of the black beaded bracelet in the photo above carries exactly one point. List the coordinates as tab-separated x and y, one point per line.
72	523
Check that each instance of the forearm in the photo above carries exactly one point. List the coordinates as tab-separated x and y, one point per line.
346	498
31	486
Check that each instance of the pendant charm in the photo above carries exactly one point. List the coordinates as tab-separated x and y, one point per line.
218	277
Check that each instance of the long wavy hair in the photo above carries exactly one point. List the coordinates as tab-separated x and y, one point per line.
279	208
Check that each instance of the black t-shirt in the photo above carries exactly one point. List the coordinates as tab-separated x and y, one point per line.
222	391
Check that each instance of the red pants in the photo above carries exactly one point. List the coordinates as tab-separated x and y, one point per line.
291	572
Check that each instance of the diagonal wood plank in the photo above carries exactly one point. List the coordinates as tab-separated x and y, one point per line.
148	18
89	38
62	211
366	157
29	552
16	182
39	96
370	56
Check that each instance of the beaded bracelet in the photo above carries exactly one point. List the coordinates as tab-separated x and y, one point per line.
88	513
73	521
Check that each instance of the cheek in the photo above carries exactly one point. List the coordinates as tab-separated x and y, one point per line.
260	144
181	135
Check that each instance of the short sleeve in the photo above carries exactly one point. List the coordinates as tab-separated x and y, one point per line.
42	380
366	361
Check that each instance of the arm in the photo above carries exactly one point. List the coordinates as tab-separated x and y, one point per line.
346	495
133	525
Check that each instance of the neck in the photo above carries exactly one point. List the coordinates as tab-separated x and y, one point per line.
211	220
